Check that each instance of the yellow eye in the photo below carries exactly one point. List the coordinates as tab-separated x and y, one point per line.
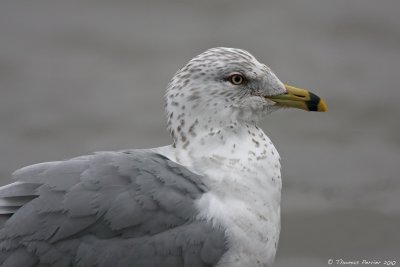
236	79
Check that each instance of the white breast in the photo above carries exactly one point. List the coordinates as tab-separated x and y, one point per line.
243	174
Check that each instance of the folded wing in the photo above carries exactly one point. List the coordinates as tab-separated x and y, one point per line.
129	208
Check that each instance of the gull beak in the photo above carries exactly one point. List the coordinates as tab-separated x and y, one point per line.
299	98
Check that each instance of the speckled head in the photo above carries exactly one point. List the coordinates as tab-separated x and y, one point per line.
227	84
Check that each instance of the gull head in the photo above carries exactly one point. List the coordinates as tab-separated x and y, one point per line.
224	85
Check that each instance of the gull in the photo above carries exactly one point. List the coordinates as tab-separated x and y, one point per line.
211	198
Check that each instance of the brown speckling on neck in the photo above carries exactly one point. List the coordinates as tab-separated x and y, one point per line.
255	142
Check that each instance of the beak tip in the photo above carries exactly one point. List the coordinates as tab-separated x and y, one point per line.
322	107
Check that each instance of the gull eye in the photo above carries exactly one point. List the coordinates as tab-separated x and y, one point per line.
236	79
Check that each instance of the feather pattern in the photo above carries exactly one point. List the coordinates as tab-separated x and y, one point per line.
127	208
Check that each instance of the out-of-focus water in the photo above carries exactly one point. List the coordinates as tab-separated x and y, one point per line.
82	76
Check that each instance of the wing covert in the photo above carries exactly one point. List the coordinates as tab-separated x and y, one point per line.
108	209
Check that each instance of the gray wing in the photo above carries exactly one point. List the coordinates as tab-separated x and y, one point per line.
133	208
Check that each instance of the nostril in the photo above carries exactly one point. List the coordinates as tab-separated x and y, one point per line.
300	95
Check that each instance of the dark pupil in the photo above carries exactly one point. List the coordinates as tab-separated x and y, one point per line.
237	79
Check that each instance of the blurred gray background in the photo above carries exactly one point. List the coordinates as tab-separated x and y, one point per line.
83	76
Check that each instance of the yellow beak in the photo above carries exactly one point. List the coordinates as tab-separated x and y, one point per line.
299	98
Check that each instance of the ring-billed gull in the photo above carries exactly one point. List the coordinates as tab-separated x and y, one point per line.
212	198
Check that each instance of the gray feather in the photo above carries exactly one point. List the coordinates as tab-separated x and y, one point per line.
18	189
20	257
132	208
